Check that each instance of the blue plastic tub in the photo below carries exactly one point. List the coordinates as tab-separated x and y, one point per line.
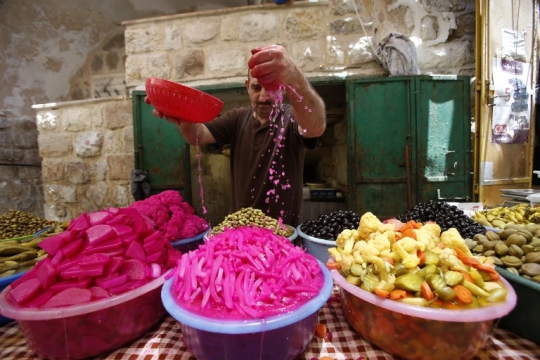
315	246
282	337
186	245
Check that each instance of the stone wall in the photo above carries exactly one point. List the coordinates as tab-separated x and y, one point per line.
87	151
87	146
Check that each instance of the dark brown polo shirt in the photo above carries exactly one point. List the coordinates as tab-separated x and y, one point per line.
267	162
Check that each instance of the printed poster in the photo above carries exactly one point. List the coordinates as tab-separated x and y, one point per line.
511	102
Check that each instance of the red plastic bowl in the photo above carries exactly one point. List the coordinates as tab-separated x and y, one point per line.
182	102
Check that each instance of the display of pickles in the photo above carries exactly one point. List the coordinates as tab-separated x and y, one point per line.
22	253
417	264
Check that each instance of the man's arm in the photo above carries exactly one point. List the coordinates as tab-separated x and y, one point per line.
273	66
192	131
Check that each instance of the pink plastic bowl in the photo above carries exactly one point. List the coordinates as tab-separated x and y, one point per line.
82	331
419	333
182	102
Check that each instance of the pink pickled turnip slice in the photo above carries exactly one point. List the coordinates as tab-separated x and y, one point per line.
66	264
99	234
113	210
135	251
72	248
66	284
39	299
128	239
30	273
70	296
119	219
99	217
155	236
26	290
99	293
113	265
153	247
106	247
111	281
114	252
154	257
122	230
78	272
52	244
79	224
141	224
122	288
155	270
46	275
94	260
57	258
135	269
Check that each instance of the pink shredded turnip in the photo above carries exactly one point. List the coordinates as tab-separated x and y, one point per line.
246	272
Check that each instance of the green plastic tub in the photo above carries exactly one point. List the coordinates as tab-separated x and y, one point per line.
524	320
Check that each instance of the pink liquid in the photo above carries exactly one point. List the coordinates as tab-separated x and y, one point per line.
277	176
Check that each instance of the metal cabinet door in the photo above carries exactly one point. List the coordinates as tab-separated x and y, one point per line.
160	149
443	138
379	127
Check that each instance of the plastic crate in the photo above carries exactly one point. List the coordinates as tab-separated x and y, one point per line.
524	320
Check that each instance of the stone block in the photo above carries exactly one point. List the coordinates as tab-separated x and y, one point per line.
345	27
97	193
55	144
143	40
360	52
157	65
127	135
88	144
432	57
77	172
193	63
77	119
230	61
304	23
52	170
200	31
229	29
173	38
59	193
119	167
308	54
135	72
47	120
113	142
6	139
117	115
258	27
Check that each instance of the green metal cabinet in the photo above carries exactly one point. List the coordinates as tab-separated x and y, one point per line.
408	142
160	150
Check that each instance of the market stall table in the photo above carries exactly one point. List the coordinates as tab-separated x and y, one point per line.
164	341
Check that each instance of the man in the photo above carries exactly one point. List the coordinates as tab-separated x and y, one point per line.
267	141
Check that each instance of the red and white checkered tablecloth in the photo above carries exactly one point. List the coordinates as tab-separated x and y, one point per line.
164	342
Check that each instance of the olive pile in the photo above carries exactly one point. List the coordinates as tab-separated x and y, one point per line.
252	217
446	216
16	223
329	226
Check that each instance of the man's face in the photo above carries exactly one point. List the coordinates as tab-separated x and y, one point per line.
259	99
